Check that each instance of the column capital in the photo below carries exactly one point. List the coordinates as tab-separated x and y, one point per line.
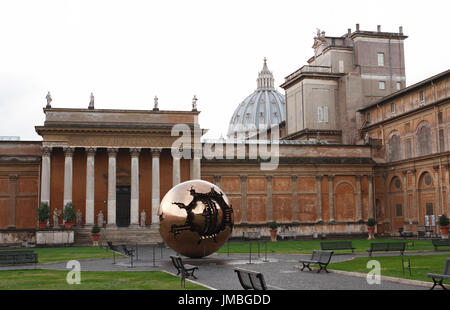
269	178
294	178
436	168
156	151
217	178
68	151
331	177
46	150
413	171
405	172
134	151
90	150
112	151
243	177
358	177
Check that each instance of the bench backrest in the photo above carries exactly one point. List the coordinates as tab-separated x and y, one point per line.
9	252
440	241
251	280
333	245
447	267
177	262
323	257
388	246
19	258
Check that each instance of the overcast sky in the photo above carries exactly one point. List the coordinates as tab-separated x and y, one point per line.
126	52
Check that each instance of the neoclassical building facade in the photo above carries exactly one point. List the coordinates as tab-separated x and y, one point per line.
354	143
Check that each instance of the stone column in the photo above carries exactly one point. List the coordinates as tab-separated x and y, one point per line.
45	174
269	210
243	179
330	197
134	199
90	185
405	196
68	171
196	165
319	198
156	152
359	213
112	155
176	173
12	189
294	189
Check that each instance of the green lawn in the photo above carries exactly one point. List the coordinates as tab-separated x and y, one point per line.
391	266
292	247
91	280
51	255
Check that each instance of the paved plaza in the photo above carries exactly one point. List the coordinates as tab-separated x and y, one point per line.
216	271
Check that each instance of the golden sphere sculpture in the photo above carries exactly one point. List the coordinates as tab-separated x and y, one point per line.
196	218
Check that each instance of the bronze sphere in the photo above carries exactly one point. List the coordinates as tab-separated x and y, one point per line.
196	218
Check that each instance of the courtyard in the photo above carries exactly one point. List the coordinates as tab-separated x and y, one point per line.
151	269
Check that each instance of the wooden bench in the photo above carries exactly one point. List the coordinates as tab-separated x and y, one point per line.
18	257
321	258
251	280
440	242
438	278
185	270
337	245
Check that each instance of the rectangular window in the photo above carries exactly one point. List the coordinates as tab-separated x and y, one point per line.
421	98
399	85
398	209
393	108
322	114
382	85
368	117
380	59
441	140
440	117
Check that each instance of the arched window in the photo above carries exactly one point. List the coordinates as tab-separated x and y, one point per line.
394	152
423	136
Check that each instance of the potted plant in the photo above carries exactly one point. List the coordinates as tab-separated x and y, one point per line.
43	214
68	215
443	223
273	228
95	233
371	227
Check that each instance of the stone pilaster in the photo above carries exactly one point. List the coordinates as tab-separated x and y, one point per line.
243	179
196	164
319	218
176	172
371	211
294	190
436	188
359	213
405	196
269	204
330	197
90	185
415	209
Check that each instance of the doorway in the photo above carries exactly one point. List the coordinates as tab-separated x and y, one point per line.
123	195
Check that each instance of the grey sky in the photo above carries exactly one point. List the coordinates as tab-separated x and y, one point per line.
126	52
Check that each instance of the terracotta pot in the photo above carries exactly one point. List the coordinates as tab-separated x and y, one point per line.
444	232
371	231
273	235
42	225
68	225
95	237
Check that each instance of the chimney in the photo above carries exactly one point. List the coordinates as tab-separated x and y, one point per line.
349	31
400	29
357	27
378	28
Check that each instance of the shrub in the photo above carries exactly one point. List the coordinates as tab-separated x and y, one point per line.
95	229
43	212
443	220
273	225
69	212
371	222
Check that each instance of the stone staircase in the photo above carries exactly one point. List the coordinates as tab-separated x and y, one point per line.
120	235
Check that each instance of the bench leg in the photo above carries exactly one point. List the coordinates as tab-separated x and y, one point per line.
438	283
307	266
